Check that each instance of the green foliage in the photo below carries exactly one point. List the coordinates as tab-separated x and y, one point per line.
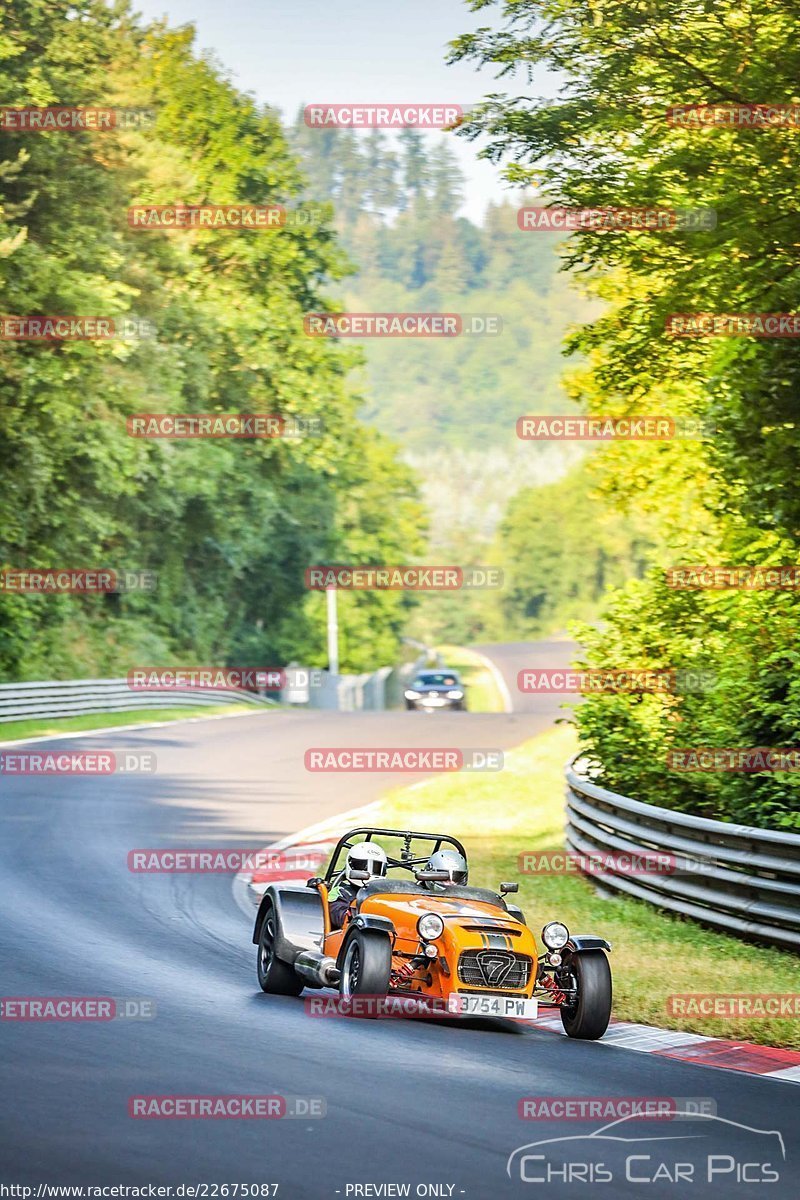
742	647
561	550
735	497
228	526
451	404
396	214
606	141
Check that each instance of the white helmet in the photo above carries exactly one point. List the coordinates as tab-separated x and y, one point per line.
365	856
451	861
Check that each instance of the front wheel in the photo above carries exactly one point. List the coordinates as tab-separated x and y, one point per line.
367	965
274	975
589	1015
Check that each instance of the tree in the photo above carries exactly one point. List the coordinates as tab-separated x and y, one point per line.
228	526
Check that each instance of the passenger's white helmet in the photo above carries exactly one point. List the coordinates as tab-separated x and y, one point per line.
365	856
451	861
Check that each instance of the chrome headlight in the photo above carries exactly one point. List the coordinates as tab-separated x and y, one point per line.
555	935
412	695
454	695
430	926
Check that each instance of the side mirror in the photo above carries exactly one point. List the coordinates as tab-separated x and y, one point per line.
360	876
505	888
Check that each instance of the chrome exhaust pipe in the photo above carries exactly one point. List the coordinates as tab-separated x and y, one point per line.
317	968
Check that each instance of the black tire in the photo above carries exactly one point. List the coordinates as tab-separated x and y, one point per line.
274	976
366	965
588	1018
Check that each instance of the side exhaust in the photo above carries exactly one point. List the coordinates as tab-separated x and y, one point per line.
317	968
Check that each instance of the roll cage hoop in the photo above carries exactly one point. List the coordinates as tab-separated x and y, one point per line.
407	859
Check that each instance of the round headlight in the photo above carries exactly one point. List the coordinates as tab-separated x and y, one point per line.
455	694
412	695
555	935
430	926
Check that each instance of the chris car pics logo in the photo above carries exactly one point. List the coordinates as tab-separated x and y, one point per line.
695	1150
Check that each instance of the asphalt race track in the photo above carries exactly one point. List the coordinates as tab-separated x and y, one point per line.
407	1101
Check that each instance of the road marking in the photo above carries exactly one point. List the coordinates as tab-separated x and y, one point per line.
502	686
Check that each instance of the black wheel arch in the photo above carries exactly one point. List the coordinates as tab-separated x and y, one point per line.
580	942
298	919
365	923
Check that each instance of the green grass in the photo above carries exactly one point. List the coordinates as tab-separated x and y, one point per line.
499	816
13	730
483	694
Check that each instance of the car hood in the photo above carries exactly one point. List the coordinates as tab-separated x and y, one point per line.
437	687
458	909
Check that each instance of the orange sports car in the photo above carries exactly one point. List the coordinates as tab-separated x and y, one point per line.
412	930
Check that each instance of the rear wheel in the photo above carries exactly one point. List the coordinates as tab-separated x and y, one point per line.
588	1017
274	975
367	965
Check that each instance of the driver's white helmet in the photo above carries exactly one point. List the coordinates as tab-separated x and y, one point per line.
365	856
451	861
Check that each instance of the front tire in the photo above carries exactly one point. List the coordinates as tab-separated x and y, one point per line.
367	965
274	976
589	1016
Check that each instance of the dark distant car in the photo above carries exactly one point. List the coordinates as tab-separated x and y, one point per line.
436	689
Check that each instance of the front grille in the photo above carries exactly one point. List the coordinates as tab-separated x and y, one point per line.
496	969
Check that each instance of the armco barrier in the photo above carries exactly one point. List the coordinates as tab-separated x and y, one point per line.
341	693
77	697
743	880
373	691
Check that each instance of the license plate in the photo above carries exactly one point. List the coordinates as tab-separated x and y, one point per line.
434	703
493	1006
